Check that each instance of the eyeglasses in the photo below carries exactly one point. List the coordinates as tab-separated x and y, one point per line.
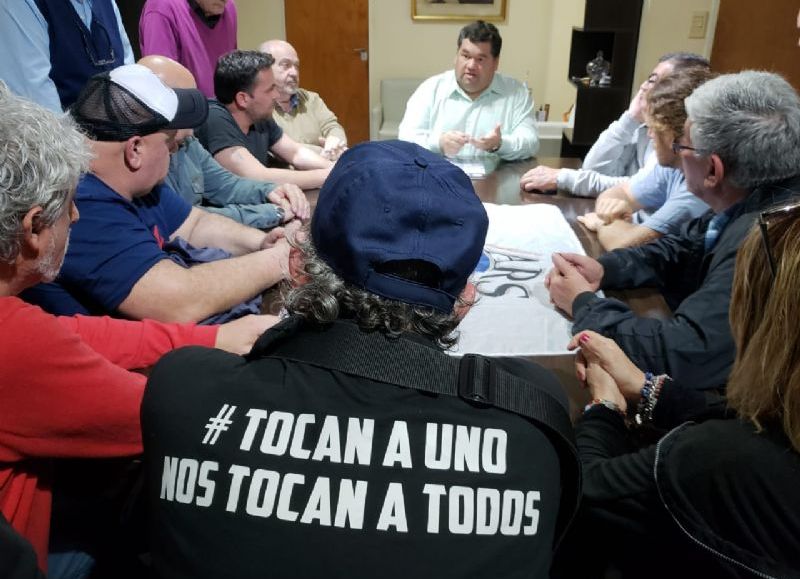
677	148
764	219
100	59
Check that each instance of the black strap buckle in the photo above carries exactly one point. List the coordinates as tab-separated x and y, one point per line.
476	379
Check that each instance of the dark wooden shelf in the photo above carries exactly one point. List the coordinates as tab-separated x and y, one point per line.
613	27
612	87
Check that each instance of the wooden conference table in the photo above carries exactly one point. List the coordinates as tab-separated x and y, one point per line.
501	186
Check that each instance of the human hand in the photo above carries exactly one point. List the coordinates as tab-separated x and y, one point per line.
602	385
239	335
638	105
332	147
609	210
490	141
293	201
591	221
452	142
589	268
605	352
565	282
539	178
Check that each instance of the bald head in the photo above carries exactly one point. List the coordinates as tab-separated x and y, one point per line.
270	46
286	67
174	74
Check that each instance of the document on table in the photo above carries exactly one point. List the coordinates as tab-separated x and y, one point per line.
473	168
476	166
513	315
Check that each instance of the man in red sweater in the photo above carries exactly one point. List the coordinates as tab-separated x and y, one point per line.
66	389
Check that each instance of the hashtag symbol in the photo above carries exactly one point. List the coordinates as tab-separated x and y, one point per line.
219	423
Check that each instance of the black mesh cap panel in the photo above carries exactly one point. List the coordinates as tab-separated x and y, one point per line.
107	112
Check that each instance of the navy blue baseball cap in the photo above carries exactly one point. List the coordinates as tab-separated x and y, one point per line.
393	201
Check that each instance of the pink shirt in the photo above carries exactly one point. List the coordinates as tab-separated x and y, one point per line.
171	28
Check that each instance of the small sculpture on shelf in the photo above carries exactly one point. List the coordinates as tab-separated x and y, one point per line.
597	68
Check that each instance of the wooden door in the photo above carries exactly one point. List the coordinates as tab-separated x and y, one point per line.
331	38
757	35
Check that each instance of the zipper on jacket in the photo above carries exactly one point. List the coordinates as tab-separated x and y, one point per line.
694	539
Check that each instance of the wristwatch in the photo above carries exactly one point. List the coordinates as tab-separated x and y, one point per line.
281	214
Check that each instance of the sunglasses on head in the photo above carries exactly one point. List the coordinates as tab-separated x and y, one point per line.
770	216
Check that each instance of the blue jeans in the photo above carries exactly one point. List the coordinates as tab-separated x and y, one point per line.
69	565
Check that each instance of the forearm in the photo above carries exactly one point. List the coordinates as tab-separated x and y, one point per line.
618	191
304	158
620	233
136	344
213	230
310	179
261	216
694	346
618	484
586	183
193	294
225	188
238	160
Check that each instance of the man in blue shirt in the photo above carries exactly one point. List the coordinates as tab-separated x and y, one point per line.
116	263
87	37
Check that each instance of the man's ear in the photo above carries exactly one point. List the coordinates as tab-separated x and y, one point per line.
240	99
716	172
465	301
31	231
297	274
133	152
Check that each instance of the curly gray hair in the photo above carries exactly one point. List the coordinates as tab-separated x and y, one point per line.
42	156
751	119
325	297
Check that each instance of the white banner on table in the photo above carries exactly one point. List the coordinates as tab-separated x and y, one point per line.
514	316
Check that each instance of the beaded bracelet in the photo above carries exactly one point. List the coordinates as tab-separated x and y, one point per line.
649	397
603	402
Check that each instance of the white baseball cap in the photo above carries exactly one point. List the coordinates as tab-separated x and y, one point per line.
131	100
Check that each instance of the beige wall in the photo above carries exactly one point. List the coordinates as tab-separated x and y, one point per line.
536	37
535	45
259	20
665	28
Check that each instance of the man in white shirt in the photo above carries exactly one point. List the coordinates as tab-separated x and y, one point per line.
620	151
473	110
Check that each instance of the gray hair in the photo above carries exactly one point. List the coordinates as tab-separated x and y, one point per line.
752	121
683	60
42	156
325	297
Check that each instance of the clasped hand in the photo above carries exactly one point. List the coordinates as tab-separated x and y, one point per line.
572	274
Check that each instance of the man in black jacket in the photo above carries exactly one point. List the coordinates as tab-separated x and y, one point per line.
741	154
335	449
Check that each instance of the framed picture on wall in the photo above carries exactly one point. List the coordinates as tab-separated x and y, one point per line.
443	10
